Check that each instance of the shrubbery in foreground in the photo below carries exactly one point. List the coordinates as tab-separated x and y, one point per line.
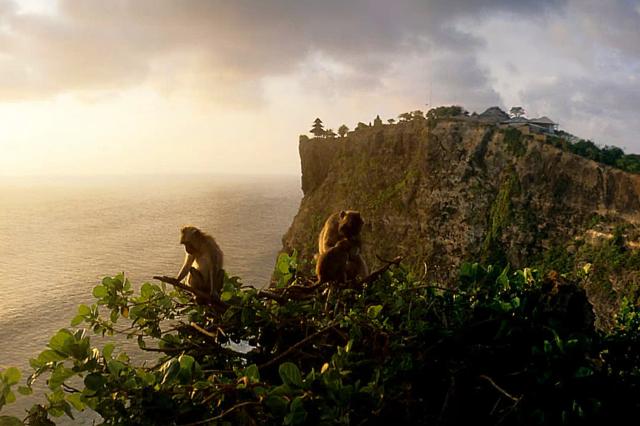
504	347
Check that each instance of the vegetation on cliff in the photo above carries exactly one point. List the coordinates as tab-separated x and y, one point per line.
503	346
450	188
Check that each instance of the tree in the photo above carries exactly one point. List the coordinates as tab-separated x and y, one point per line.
391	121
509	346
405	116
517	111
318	129
330	134
446	111
417	114
343	130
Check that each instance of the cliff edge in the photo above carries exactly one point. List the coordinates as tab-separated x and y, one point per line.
440	192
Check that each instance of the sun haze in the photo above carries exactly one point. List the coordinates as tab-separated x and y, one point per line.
159	86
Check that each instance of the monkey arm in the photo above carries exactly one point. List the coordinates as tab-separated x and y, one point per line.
188	261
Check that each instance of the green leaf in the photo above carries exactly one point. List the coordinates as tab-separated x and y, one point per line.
94	381
10	397
100	291
276	404
115	367
583	372
297	414
468	270
149	378
290	374
77	320
107	351
170	370
283	263
374	311
349	345
10	421
146	291
226	296
59	375
503	279
84	310
252	373
75	399
48	356
62	341
186	367
12	375
25	390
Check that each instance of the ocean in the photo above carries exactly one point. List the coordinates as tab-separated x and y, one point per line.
59	237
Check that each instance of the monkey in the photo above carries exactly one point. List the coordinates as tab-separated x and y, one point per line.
332	264
345	224
206	274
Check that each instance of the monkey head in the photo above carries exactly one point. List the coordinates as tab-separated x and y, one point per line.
191	237
350	223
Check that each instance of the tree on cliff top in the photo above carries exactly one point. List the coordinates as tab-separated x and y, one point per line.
317	128
343	130
517	111
405	116
446	111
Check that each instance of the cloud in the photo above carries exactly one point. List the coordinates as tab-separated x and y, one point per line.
95	44
574	59
601	109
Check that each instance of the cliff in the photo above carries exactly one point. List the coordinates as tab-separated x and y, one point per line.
444	191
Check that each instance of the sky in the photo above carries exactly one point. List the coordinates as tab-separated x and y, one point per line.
211	86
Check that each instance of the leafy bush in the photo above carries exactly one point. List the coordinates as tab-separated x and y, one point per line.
609	155
503	346
446	111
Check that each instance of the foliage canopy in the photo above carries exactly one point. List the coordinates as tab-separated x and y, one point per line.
503	346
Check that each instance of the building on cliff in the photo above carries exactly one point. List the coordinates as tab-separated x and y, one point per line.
495	115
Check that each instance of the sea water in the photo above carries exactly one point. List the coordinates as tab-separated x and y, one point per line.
60	236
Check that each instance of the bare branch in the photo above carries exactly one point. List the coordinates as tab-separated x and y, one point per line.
499	389
224	413
216	304
203	331
378	273
297	345
174	282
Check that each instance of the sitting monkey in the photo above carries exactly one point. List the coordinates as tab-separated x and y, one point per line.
346	224
203	263
332	264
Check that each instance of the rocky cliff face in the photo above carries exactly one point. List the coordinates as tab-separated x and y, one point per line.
443	192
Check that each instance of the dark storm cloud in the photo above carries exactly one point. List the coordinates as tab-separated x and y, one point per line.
98	44
605	110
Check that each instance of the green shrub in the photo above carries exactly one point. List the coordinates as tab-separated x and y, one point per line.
502	347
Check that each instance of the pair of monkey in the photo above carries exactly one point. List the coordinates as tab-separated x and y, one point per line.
339	259
339	246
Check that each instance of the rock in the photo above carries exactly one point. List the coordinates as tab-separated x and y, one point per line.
449	190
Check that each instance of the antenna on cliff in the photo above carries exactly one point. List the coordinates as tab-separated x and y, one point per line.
430	66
